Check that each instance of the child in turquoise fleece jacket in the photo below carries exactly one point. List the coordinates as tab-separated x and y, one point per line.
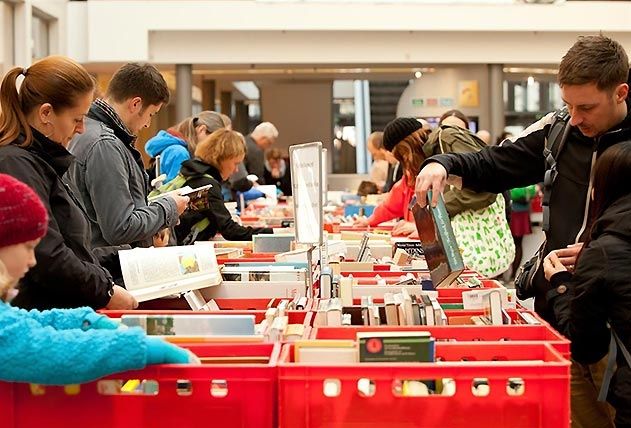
59	346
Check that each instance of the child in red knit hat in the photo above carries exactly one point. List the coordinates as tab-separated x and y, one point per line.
59	346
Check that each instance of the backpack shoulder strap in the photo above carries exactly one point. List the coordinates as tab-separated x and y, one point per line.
554	142
556	137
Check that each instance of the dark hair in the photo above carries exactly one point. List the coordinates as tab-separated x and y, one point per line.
612	174
594	59
409	151
367	188
460	115
56	80
138	80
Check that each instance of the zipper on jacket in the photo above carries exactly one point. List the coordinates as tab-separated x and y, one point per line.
588	199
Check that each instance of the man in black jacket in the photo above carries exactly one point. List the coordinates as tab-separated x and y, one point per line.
593	80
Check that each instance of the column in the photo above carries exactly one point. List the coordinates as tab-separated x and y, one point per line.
362	125
226	103
183	91
241	118
208	94
496	100
22	33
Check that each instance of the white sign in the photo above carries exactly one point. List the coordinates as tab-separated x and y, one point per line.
306	180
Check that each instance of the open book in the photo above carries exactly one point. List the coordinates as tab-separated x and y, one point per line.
150	273
198	196
439	243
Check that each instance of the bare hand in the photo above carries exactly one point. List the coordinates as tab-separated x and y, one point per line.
432	177
567	256
403	228
181	202
121	299
161	239
362	222
552	265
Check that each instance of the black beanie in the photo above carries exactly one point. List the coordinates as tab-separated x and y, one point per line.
397	129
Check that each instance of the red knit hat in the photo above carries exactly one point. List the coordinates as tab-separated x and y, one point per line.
23	217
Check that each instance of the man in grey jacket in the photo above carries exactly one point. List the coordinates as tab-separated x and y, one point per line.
108	172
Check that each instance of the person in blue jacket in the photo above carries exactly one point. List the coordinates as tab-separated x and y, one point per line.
177	144
59	346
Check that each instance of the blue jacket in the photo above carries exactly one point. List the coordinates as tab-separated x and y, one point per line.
172	150
68	346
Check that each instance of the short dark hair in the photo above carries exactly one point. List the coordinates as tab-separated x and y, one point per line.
138	80
460	115
594	59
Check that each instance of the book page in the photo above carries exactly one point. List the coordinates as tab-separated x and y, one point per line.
187	267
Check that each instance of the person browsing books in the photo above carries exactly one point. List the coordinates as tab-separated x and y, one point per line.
36	125
216	158
59	346
177	144
411	146
596	294
109	174
593	78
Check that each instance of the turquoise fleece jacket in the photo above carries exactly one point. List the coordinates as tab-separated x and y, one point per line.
173	151
66	346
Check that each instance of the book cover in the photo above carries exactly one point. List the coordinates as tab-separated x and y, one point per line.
192	325
198	198
395	346
438	241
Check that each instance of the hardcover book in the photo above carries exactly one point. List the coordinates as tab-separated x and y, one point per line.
438	241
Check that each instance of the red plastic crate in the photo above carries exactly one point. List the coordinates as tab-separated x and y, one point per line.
462	333
544	402
249	402
224	304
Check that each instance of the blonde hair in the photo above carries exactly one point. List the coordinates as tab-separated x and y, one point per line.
211	119
221	145
6	282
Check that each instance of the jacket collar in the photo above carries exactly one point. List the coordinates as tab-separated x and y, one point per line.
196	166
54	154
103	112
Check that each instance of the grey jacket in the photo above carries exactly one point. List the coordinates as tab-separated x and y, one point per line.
113	186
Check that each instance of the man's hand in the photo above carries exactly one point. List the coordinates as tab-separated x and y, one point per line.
432	177
181	202
161	239
121	299
567	256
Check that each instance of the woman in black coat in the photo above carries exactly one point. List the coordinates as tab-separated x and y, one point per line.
36	126
216	158
598	293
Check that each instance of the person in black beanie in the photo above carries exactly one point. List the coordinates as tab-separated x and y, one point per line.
395	128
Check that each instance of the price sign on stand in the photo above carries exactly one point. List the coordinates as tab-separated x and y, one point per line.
307	180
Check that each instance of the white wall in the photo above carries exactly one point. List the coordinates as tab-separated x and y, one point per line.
443	84
247	32
6	37
302	111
